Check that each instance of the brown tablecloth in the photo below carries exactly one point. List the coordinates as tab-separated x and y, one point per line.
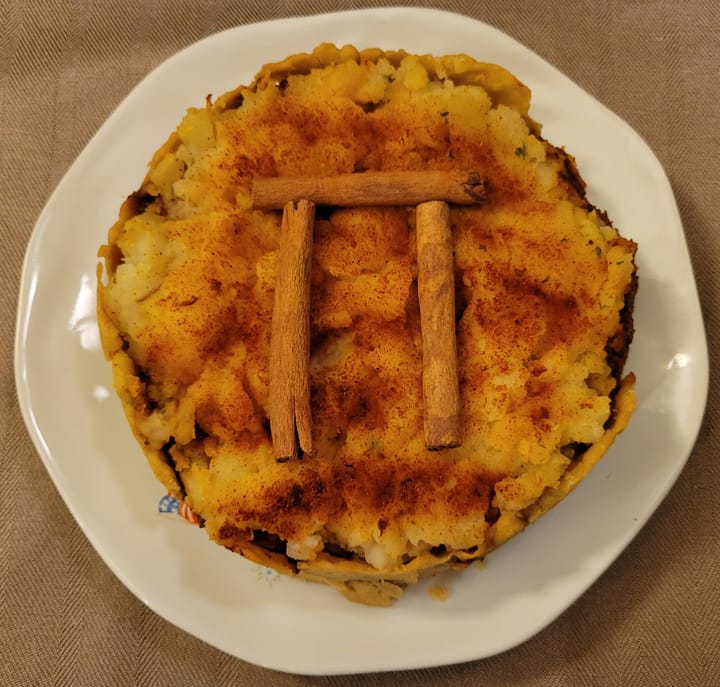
652	619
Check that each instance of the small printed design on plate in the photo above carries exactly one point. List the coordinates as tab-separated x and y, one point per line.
169	505
267	575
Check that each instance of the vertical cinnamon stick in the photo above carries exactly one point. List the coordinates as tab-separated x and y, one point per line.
436	292
289	393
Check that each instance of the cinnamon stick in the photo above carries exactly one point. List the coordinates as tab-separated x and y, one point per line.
289	393
436	293
371	188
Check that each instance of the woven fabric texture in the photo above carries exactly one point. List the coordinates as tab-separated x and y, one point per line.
653	618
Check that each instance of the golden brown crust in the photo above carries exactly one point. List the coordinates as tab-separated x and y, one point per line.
544	288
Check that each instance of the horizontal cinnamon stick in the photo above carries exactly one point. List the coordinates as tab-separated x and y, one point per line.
436	293
370	188
289	393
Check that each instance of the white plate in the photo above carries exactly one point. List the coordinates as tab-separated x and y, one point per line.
75	420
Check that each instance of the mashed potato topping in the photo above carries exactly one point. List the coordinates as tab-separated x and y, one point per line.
544	287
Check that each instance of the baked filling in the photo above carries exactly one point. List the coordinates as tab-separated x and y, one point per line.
543	289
